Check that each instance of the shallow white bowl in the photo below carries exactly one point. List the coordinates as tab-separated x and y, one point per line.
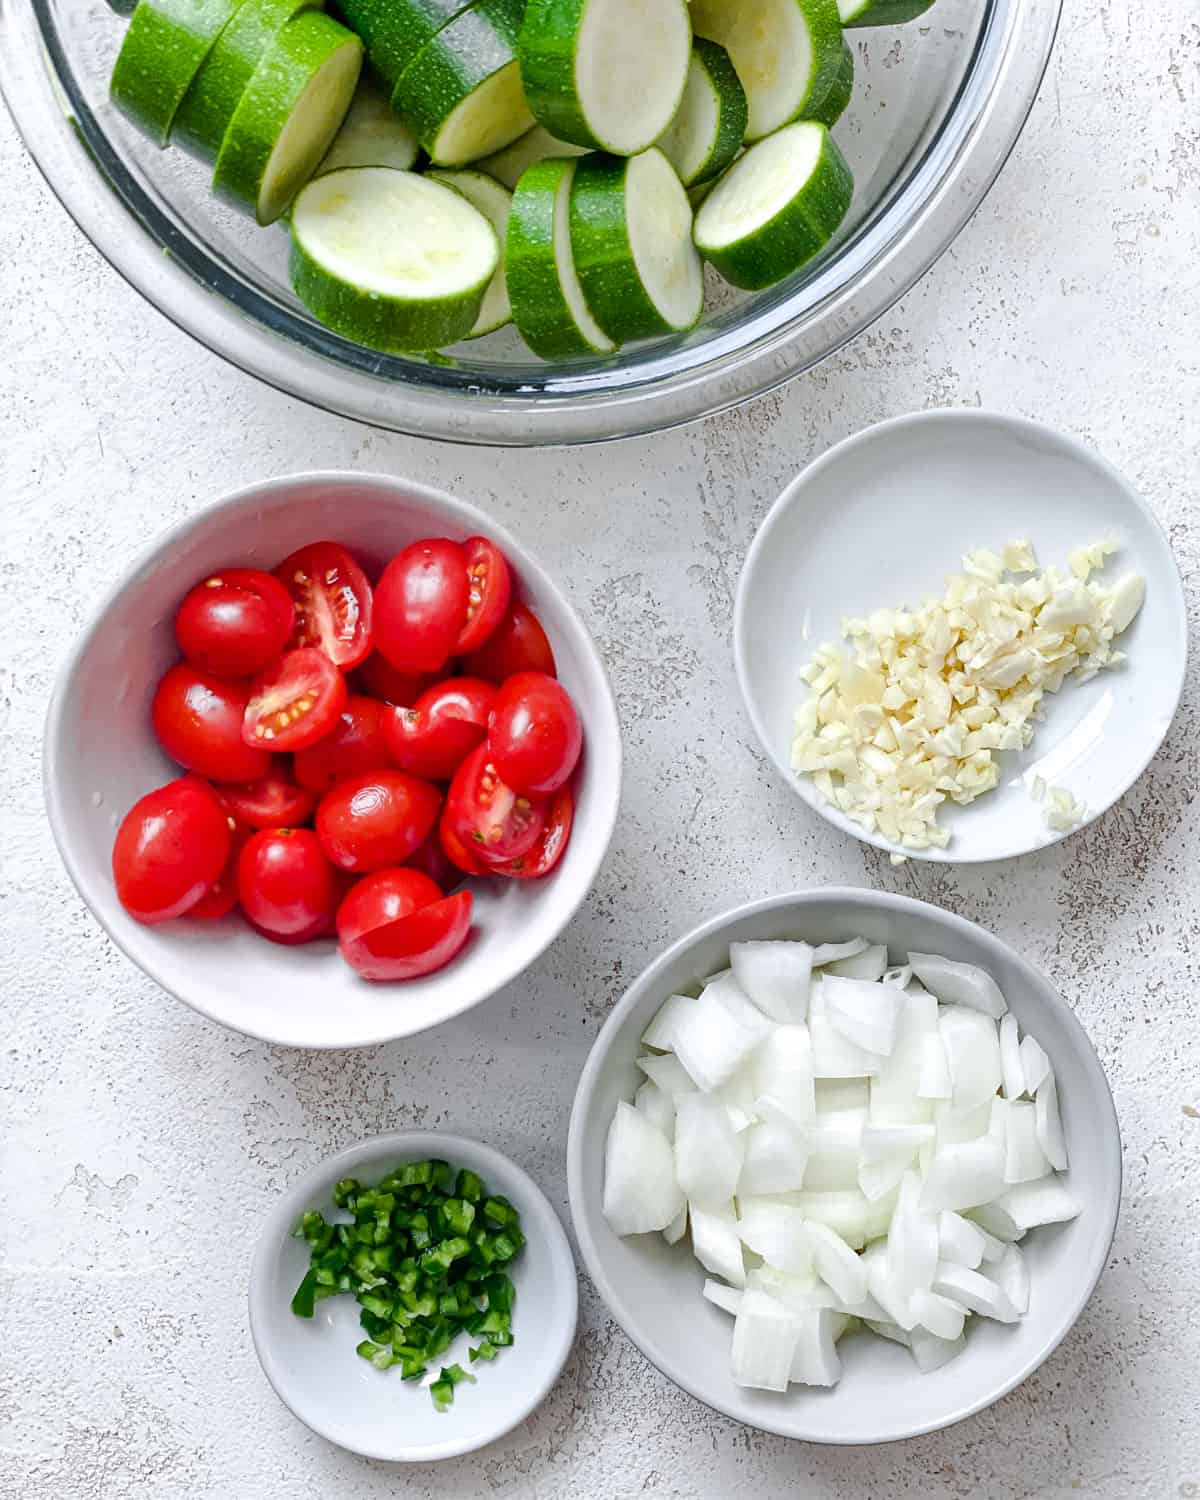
881	519
654	1290
312	1364
101	755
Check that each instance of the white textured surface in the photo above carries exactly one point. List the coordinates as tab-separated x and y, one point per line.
140	1144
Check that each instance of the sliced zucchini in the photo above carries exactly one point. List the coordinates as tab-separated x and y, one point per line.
548	305
707	131
776	207
289	114
494	202
881	12
394	31
631	237
786	52
462	92
535	145
606	73
163	50
209	104
391	259
372	135
830	110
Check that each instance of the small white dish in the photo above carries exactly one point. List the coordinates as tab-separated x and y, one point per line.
653	1289
881	519
311	1362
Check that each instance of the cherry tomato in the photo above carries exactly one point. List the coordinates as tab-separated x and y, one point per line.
294	702
421	605
493	821
455	849
198	720
354	744
381	680
395	924
171	846
234	623
432	860
288	889
221	897
518	644
534	734
550	848
490	586
274	801
375	820
332	600
435	736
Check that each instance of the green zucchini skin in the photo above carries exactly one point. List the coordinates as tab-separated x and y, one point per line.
882	12
797	232
830	109
547	52
394	31
494	202
164	48
603	254
209	105
732	111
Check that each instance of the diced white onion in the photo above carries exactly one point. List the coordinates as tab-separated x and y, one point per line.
711	1041
668	1073
1011	1275
815	1360
782	1070
930	1352
657	1106
776	1231
938	1315
776	976
765	1336
1024	1159
973	1053
957	983
964	1175
837	1265
1049	1123
660	1033
934	1079
834	1056
1034	1063
833	1146
640	1191
866	1014
677	1228
831	953
1011	1070
978	1294
1034	1203
869	964
775	1159
959	1240
708	1152
727	1298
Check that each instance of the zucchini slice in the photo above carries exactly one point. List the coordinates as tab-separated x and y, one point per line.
391	259
462	92
548	304
776	207
372	135
631	237
881	12
163	50
494	203
289	114
209	104
394	31
707	131
606	73
786	52
535	145
833	106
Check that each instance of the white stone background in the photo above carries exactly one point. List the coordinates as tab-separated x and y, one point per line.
142	1145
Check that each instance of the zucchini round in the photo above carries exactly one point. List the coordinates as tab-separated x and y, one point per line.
833	106
707	131
776	207
494	202
371	135
391	259
394	31
881	12
163	50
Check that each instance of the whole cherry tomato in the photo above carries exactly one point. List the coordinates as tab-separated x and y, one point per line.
421	605
172	845
288	889
550	848
518	644
490	585
534	735
491	820
235	622
395	924
294	702
333	602
355	744
273	801
198	720
377	819
435	735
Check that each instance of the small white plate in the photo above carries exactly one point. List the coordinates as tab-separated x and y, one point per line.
881	520
312	1363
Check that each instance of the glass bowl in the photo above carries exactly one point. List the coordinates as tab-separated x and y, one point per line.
938	104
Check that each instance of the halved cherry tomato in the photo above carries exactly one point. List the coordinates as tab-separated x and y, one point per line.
435	735
288	889
381	680
221	897
375	820
432	860
550	848
490	587
456	851
355	744
294	702
518	644
235	622
198	720
333	602
273	801
395	924
170	848
421	605
534	735
488	817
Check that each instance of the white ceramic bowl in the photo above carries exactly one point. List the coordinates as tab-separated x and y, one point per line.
654	1290
881	519
101	755
312	1364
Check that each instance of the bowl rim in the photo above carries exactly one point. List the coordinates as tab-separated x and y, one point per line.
607	792
789	496
486	1158
1109	1126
